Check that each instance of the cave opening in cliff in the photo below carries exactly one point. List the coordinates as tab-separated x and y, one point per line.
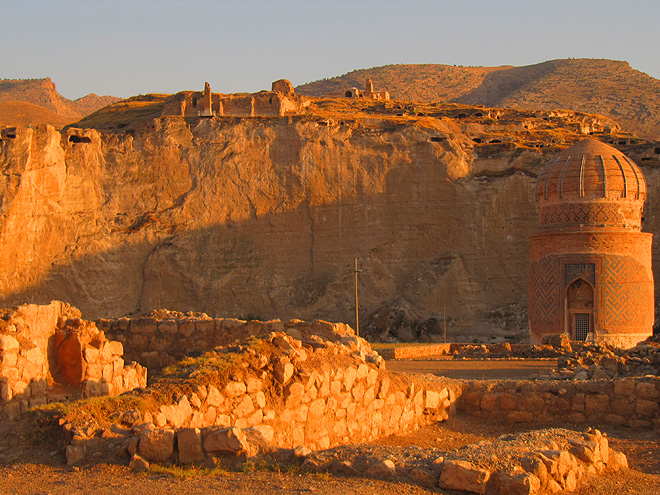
79	139
348	94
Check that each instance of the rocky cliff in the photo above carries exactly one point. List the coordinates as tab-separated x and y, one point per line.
263	217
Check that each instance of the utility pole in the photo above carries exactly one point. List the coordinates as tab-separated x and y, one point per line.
444	321
357	312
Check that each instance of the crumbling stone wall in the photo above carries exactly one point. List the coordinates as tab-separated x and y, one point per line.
164	337
632	402
308	393
44	348
281	100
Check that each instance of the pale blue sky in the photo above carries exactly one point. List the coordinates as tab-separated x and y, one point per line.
126	47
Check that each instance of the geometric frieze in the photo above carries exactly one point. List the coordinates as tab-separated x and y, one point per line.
591	214
585	271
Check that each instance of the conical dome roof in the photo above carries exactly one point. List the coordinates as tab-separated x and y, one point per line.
591	184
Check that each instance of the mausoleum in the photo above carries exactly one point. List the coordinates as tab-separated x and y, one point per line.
590	264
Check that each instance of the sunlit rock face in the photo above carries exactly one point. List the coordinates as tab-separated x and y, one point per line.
263	217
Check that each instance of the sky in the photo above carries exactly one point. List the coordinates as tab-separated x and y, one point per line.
124	48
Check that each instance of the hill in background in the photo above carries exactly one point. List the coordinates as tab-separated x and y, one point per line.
606	87
36	101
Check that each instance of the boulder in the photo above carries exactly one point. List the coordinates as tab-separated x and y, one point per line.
138	463
74	454
422	477
382	469
461	475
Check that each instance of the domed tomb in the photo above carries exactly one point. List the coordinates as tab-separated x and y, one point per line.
590	264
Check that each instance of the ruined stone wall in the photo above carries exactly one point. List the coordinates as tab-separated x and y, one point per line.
48	353
285	393
158	341
632	402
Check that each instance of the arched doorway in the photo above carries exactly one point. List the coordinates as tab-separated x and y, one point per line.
348	94
580	309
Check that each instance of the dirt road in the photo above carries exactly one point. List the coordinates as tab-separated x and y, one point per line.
475	369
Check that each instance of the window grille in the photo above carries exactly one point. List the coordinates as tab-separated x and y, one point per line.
582	325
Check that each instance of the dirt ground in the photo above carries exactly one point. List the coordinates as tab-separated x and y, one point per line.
40	469
475	369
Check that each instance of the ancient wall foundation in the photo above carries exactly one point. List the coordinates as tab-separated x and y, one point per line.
632	402
165	337
279	392
49	353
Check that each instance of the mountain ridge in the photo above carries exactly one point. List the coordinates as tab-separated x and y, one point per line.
607	87
24	94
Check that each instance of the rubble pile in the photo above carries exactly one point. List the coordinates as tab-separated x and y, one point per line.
535	462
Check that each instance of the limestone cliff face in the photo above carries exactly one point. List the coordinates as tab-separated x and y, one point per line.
264	217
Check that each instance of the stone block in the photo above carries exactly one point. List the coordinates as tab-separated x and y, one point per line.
74	454
156	444
316	409
244	407
519	484
115	348
235	389
189	442
596	404
168	326
422	477
617	461
350	374
8	343
283	370
646	408
253	385
647	391
138	464
186	328
144	326
214	397
229	440
91	354
461	475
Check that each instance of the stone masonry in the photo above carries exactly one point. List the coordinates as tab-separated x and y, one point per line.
47	352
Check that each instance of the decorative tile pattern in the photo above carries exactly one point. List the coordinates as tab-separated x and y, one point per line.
594	214
627	293
545	292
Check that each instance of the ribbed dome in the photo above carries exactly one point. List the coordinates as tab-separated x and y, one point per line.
590	170
591	184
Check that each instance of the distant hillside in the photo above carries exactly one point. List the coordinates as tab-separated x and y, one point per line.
607	87
43	104
22	113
